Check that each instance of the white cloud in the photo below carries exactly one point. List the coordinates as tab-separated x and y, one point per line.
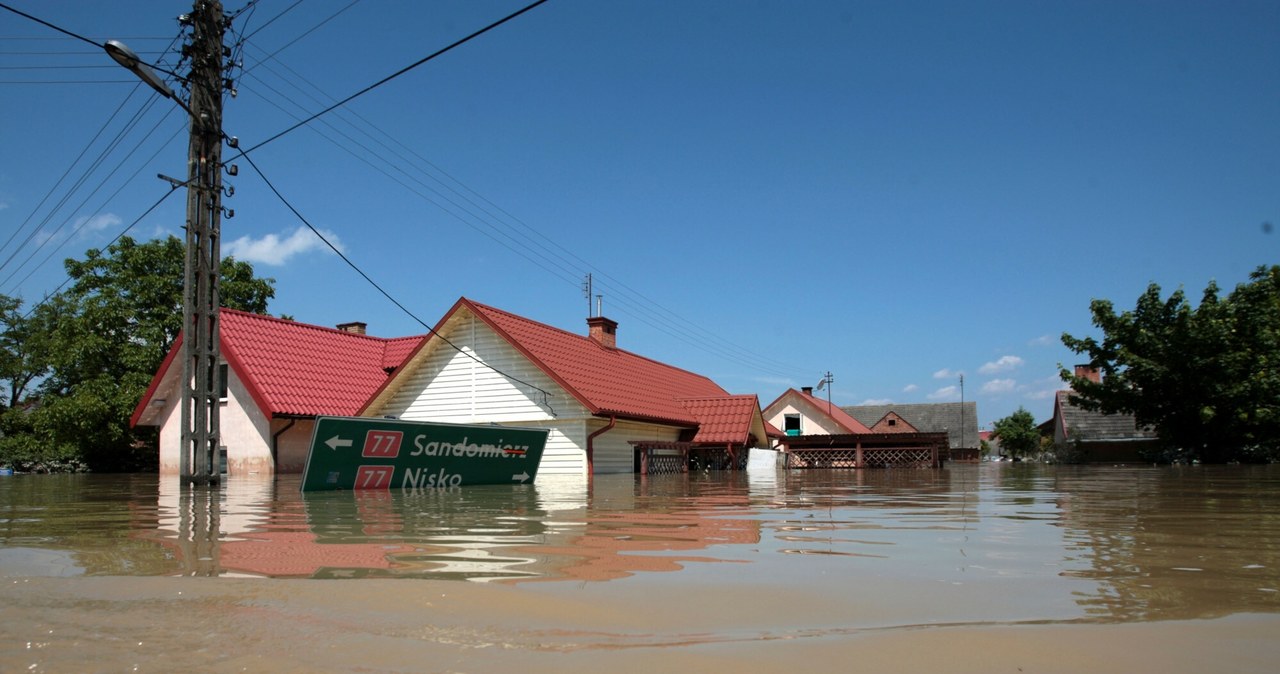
999	386
946	373
99	222
83	228
1004	364
910	388
945	393
1043	340
272	250
1045	388
877	401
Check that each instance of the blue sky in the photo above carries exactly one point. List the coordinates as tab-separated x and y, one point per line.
895	192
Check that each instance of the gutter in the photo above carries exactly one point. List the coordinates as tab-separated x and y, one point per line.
275	442
613	421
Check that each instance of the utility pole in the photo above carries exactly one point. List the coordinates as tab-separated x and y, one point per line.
201	376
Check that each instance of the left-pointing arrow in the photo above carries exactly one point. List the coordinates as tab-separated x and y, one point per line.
335	442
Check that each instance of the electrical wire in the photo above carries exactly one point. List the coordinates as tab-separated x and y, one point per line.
546	398
110	243
472	209
393	76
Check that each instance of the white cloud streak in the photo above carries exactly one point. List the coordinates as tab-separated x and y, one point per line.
1003	364
945	393
275	251
996	386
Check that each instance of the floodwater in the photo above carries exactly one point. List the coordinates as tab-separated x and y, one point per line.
983	568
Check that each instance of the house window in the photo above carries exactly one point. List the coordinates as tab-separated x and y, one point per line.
893	422
791	424
222	382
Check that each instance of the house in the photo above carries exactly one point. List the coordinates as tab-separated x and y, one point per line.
818	434
958	420
278	376
1096	437
802	413
607	408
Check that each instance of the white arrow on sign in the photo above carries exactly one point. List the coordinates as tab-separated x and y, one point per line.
522	477
335	442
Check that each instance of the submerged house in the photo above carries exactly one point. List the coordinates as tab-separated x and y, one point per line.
1096	437
959	421
278	376
818	434
608	410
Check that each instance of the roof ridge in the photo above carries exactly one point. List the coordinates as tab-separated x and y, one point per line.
312	326
580	336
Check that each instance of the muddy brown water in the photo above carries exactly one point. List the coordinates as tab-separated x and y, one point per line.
982	568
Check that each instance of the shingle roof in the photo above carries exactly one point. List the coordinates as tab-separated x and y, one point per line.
604	380
959	420
292	368
1081	424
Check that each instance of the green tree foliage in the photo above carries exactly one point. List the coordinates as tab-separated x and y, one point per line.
23	350
1206	378
1018	433
98	344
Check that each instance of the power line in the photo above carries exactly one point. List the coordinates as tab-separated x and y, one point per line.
393	76
546	397
487	219
42	22
110	243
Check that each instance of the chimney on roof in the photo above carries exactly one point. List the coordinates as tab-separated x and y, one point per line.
807	390
604	331
355	327
1089	372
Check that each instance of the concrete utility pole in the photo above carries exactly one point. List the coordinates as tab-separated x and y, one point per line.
201	375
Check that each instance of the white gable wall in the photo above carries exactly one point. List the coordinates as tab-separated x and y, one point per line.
811	423
244	430
452	387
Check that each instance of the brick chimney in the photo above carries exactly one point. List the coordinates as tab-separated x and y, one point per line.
1089	372
807	390
604	331
355	327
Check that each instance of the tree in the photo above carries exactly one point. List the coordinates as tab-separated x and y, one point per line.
1205	377
1018	433
23	349
104	337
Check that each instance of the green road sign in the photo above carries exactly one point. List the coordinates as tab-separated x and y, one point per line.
367	453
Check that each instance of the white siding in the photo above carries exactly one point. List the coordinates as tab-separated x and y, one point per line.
466	387
613	452
452	387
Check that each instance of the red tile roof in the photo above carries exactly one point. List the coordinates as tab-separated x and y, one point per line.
298	369
292	368
726	419
833	412
604	380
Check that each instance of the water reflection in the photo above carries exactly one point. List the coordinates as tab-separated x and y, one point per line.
1010	541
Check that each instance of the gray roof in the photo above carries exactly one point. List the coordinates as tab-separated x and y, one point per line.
958	420
1081	424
